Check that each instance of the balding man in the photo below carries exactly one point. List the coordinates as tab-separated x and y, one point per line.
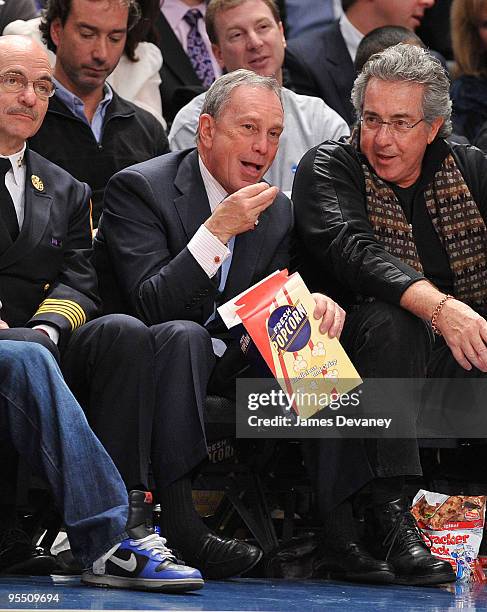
48	287
249	34
184	232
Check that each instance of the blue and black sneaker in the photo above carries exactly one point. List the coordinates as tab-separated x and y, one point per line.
142	561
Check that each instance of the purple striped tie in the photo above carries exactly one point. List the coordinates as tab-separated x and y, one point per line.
197	51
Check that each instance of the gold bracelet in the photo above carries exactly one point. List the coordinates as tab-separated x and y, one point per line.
436	313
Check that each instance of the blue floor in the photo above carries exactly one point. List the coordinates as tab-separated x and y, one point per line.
240	594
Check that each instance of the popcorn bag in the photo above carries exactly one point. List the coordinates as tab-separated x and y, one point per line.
454	524
278	315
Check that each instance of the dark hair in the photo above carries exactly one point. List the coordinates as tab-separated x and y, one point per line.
381	38
216	6
145	29
60	9
346	4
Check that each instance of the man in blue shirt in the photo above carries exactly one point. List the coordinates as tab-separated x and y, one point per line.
89	130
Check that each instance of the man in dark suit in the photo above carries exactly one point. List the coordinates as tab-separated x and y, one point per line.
185	232
321	63
184	73
48	286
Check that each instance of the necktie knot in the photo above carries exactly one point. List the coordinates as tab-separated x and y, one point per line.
192	17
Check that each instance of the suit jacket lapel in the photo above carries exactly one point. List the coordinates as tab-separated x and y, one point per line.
339	64
5	238
192	205
37	207
174	56
193	209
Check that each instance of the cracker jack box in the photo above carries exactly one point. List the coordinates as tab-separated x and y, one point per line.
453	525
278	316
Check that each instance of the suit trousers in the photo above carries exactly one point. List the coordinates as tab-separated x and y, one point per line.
186	370
383	341
108	364
45	424
184	361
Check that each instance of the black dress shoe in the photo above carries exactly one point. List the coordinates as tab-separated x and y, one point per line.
400	542
352	562
19	556
218	558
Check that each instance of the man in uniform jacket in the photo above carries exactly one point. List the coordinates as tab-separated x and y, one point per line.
183	233
48	287
89	130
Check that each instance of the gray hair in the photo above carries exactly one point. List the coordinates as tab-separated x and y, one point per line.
220	92
409	63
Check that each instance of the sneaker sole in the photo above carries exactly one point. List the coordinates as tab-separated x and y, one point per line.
144	584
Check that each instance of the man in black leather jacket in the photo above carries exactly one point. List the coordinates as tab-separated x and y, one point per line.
394	224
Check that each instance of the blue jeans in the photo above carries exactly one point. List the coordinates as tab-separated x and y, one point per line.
46	425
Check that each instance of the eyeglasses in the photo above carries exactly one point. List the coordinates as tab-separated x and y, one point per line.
397	126
15	83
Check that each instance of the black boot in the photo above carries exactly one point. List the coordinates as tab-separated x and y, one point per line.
394	536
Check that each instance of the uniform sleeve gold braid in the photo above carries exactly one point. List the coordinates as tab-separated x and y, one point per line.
71	310
66	308
74	320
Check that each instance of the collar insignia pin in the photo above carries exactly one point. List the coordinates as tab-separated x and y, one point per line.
36	181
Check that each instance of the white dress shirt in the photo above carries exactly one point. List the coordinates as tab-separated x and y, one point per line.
351	35
206	248
15	182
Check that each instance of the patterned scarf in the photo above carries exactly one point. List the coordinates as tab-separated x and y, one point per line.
456	219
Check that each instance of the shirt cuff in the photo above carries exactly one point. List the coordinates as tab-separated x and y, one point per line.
208	250
52	332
